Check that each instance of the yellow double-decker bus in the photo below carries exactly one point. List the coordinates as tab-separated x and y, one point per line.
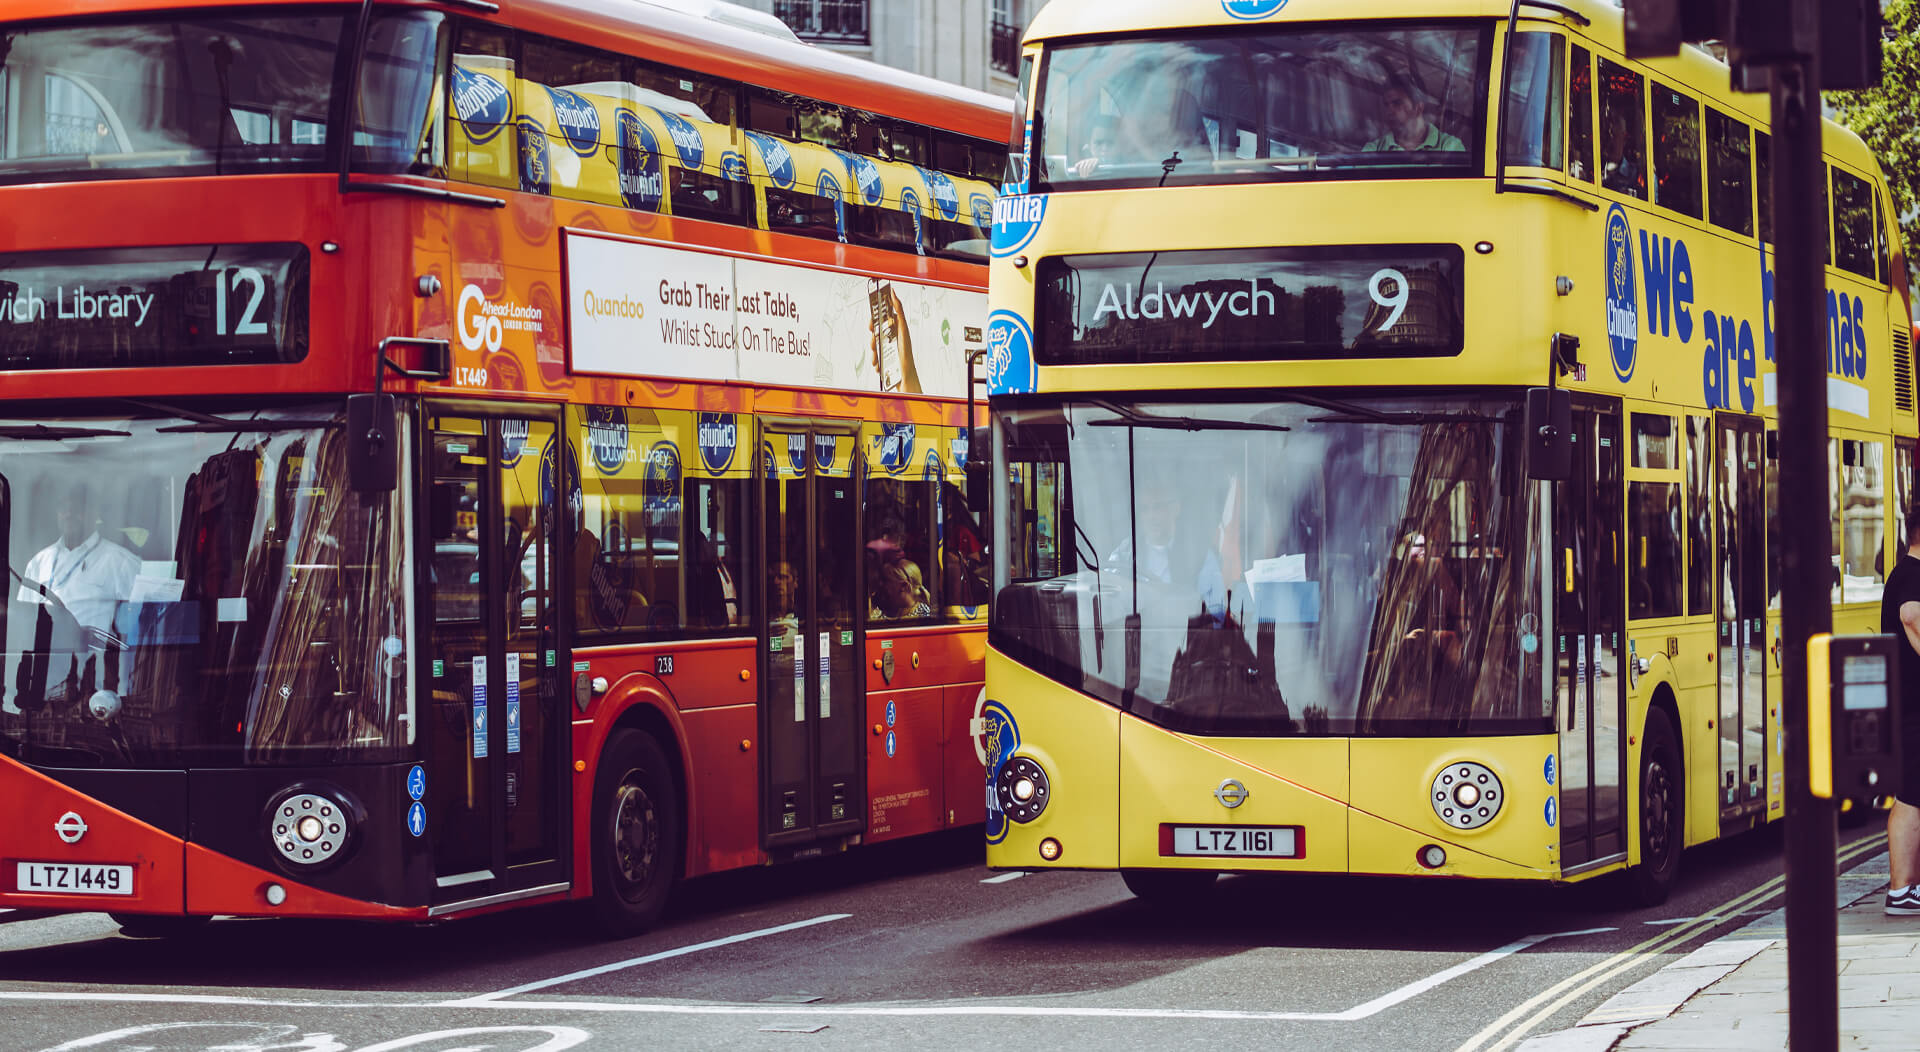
1383	429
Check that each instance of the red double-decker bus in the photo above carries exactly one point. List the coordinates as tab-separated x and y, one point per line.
459	455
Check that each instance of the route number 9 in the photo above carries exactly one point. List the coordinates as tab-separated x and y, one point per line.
1389	289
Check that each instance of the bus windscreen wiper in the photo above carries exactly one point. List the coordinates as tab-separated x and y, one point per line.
1136	418
207	422
1345	412
42	431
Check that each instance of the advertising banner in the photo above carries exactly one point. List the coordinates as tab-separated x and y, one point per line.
649	310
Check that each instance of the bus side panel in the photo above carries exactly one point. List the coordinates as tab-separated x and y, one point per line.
1075	739
904	783
37	804
219	884
965	767
1393	799
723	779
1172	778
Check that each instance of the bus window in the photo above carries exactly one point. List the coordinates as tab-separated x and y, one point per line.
1763	182
1699	512
562	92
1880	236
700	116
1623	131
1853	223
480	95
1534	130
901	575
1676	146
1861	545
1580	116
398	125
717	543
1729	185
1653	579
1653	441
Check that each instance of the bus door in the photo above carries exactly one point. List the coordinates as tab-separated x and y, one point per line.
1590	682
1740	559
812	694
497	726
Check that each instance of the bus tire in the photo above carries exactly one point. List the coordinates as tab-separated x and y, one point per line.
636	833
1663	826
158	925
1166	886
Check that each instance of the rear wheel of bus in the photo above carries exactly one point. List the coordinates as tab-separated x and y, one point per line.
636	833
1662	815
1167	885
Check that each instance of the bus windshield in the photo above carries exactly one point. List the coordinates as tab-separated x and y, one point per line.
1270	104
226	93
1311	567
198	589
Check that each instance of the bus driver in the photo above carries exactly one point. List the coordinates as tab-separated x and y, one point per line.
1408	128
87	573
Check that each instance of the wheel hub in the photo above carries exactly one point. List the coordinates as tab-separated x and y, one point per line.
636	836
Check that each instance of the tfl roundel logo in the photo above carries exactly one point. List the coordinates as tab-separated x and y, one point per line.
1015	222
776	157
1010	368
1249	10
1623	312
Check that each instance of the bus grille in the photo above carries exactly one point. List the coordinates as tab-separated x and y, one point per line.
1902	371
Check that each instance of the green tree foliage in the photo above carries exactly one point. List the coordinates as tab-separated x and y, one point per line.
1888	117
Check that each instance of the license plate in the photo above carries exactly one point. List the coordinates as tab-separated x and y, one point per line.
62	878
1232	841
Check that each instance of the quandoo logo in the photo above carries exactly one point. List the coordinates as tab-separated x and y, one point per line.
1623	312
733	165
896	447
981	206
578	121
1010	368
999	738
686	139
535	171
607	437
1015	222
775	156
946	196
483	104
1251	10
641	185
717	435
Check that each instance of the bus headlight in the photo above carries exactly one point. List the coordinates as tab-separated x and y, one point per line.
1022	788
1467	795
311	825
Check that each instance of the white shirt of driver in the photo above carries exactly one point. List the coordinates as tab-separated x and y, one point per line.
89	579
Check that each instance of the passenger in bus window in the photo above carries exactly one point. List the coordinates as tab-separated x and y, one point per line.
1100	146
1621	167
1404	106
900	592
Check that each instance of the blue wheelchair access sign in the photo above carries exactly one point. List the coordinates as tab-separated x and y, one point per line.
417	782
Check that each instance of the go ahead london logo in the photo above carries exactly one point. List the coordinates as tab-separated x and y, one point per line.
1010	368
1252	10
1623	313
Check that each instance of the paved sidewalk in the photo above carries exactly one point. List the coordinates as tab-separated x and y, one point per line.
1732	992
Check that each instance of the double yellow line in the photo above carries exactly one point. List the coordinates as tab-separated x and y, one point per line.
1543	1005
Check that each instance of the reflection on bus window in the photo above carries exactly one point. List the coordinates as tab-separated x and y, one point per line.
1282	103
1534	132
1623	131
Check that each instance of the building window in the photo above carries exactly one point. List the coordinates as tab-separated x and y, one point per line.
1005	29
825	21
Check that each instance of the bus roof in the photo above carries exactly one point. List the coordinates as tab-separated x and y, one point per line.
697	34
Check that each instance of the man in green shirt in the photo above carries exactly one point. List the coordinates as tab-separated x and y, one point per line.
1409	128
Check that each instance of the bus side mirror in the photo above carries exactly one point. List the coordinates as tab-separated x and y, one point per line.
1549	434
373	443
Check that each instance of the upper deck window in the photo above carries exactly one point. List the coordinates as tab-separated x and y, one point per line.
1275	104
205	95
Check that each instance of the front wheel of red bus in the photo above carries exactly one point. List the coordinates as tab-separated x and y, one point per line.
636	833
1167	886
1662	814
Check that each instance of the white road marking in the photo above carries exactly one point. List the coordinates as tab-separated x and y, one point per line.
1358	1012
648	959
1004	877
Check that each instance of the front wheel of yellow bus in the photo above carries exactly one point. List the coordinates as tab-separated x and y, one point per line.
636	833
1662	814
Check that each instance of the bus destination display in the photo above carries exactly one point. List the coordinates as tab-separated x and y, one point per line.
176	305
1251	304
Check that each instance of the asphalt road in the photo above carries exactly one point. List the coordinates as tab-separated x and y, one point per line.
912	944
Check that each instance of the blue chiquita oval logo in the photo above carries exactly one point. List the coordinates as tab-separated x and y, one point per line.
824	450
482	103
936	472
687	141
981	207
577	119
1623	312
768	465
733	165
945	195
959	446
829	187
536	174
641	184
896	447
999	737
607	437
797	453
1015	222
717	435
864	176
1010	367
775	157
513	441
663	477
1251	10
